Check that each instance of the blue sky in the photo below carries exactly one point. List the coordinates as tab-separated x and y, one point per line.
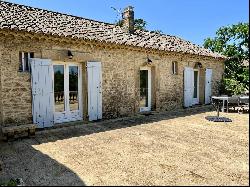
192	20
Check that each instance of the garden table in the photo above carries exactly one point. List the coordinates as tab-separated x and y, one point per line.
216	103
223	98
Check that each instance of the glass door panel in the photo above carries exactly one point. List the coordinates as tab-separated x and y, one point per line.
59	98
73	88
195	84
144	88
196	88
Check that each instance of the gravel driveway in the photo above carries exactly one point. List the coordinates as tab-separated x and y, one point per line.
178	148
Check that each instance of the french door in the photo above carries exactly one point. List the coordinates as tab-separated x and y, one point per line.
67	84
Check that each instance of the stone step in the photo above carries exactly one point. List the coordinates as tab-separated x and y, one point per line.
14	132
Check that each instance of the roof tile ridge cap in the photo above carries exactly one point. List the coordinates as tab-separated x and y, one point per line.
51	11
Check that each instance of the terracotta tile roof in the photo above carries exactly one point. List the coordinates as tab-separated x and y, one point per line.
25	18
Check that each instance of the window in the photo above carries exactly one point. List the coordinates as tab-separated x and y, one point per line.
174	68
24	65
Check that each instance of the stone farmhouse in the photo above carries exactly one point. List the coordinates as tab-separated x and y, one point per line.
57	68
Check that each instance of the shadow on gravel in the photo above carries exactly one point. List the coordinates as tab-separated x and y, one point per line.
21	160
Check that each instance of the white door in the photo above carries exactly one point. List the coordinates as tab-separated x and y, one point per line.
42	92
67	91
196	87
94	70
145	89
188	86
208	86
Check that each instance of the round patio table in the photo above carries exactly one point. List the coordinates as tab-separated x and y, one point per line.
217	101
223	99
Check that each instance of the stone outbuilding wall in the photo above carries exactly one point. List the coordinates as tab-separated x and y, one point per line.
120	73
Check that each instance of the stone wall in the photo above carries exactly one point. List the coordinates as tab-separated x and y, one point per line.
120	73
16	90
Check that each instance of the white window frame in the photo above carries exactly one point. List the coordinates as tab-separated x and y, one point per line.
23	62
197	100
173	68
148	108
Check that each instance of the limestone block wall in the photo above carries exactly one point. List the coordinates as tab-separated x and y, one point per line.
120	75
15	89
119	88
170	86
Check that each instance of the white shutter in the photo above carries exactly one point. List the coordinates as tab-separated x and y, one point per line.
208	86
188	86
94	90
42	92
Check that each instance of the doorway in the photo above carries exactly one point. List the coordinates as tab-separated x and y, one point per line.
67	89
196	87
145	89
191	86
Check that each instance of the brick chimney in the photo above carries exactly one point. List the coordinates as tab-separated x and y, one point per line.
128	19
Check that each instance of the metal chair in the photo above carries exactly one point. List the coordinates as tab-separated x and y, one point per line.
244	104
233	102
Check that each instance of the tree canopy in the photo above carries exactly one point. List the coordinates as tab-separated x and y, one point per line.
233	42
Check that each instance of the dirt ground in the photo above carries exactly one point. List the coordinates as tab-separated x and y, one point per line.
174	148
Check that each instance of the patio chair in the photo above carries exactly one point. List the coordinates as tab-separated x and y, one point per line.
233	102
216	104
244	104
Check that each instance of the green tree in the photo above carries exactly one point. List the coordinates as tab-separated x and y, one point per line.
233	42
158	31
140	24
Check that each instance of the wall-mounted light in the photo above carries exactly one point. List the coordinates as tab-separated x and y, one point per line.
198	65
70	55
149	61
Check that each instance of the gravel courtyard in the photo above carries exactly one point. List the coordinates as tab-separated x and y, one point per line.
174	148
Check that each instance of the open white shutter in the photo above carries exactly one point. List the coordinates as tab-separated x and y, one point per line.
208	86
42	92
94	90
188	86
